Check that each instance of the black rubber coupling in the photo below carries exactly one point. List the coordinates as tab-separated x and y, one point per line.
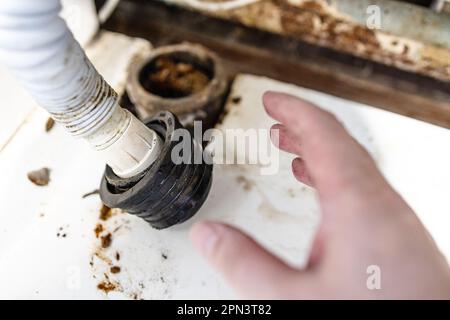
168	192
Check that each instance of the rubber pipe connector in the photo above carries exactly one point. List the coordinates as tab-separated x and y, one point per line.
166	193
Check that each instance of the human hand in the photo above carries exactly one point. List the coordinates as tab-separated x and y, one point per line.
364	223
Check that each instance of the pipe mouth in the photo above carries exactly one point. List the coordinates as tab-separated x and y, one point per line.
186	79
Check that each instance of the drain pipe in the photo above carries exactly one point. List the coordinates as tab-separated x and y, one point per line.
140	177
39	49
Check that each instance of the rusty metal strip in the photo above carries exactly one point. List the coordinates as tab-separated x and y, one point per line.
246	50
416	40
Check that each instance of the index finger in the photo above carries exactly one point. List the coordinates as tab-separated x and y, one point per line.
334	159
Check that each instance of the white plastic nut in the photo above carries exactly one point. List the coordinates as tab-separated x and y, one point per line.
127	145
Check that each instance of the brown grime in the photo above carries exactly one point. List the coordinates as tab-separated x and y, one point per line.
106	240
115	269
98	230
174	79
49	124
39	177
105	213
106	286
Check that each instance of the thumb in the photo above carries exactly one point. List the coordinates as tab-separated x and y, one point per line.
248	268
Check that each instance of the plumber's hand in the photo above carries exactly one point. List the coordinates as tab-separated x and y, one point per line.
364	223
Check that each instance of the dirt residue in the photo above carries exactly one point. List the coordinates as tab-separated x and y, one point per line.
105	261
246	184
62	232
98	230
236	100
106	240
107	286
105	213
109	261
173	79
115	269
39	177
49	124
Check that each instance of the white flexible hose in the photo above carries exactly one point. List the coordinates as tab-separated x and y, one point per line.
39	49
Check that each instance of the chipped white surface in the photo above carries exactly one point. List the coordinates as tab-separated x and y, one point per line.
278	211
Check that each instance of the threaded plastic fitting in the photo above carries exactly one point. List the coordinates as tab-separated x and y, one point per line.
166	193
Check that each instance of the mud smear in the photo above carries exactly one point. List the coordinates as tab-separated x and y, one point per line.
39	177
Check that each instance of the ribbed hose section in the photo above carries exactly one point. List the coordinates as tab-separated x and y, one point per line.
37	46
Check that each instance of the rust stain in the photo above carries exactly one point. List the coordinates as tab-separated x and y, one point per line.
318	23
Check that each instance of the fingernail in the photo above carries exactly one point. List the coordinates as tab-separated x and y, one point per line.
205	237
